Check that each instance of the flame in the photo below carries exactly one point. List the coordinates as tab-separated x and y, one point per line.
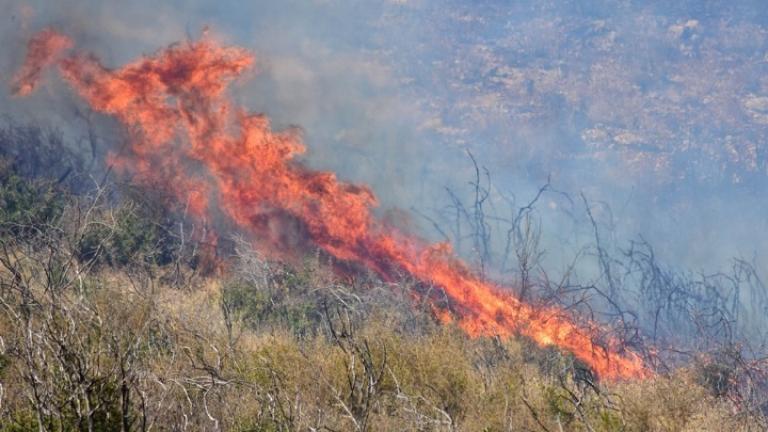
42	50
187	136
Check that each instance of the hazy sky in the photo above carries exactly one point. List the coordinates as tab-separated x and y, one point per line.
657	109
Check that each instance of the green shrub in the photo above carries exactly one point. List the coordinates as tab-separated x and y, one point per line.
138	234
27	206
288	303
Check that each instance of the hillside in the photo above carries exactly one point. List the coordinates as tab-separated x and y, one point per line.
119	315
549	224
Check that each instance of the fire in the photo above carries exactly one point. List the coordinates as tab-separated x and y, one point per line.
41	52
186	135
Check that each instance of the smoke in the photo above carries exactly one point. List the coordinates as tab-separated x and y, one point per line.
175	109
656	111
315	71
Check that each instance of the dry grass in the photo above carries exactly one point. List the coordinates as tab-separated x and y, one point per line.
192	369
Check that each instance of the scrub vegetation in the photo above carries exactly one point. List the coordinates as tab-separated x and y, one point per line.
116	314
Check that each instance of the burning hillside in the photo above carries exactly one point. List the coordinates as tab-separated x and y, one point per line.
187	136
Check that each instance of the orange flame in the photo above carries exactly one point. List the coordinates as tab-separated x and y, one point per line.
186	135
42	50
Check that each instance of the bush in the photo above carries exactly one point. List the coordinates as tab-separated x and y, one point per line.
286	298
135	233
27	206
